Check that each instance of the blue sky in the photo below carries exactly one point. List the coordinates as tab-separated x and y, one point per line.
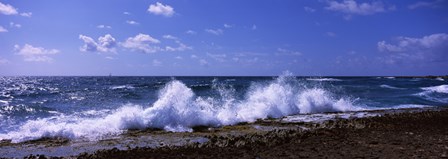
217	37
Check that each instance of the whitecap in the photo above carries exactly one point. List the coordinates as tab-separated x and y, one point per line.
440	79
437	89
389	87
122	87
323	79
179	109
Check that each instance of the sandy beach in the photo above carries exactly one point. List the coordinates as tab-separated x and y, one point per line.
409	133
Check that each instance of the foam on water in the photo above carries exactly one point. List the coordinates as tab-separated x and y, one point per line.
323	79
435	93
179	109
388	86
437	89
439	79
122	87
321	117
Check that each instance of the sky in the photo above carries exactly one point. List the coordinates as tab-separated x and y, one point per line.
223	37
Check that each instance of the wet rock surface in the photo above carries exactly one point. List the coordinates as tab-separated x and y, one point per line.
407	134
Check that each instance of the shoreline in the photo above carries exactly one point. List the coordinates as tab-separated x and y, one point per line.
403	135
393	133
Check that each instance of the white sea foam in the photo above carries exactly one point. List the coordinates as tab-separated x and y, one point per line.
323	79
122	87
178	109
435	93
438	89
405	106
439	79
320	117
4	103
388	86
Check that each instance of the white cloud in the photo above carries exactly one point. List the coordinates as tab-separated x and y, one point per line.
432	47
3	30
215	31
181	47
170	37
228	26
15	25
26	14
132	22
104	27
286	52
330	34
351	7
425	4
203	62
126	13
3	61
160	9
142	42
254	27
194	56
218	57
191	32
105	43
36	54
7	9
253	60
179	57
309	9
110	58
156	63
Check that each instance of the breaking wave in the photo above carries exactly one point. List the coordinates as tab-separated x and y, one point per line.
435	93
323	79
437	89
179	109
389	87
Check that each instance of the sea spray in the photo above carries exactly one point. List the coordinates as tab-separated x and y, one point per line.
178	108
435	93
437	89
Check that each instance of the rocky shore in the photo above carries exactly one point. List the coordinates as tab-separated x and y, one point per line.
404	134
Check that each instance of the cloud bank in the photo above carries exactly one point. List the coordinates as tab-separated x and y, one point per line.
351	7
35	54
430	48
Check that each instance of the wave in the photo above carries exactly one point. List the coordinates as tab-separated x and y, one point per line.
323	79
435	93
321	117
437	89
179	109
390	87
122	87
407	106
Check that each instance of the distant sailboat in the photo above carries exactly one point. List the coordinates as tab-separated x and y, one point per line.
110	74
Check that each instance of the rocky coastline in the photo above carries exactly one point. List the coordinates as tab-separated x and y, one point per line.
394	134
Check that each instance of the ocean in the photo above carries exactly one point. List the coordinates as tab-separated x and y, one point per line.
95	108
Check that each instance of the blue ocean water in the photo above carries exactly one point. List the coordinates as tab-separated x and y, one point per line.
92	108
